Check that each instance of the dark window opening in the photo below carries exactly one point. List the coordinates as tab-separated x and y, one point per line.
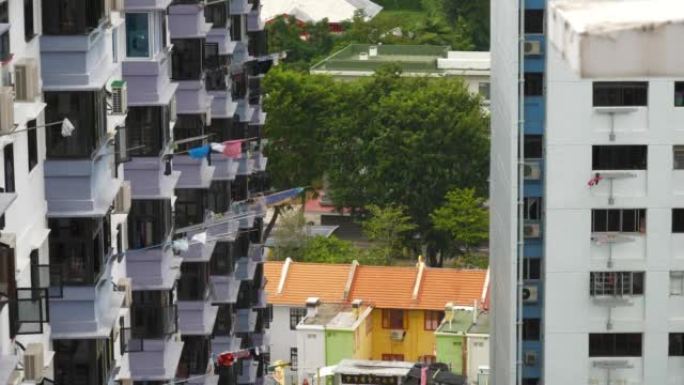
618	220
235	28
153	314
534	21
678	220
4	12
190	206
188	126
8	157
217	13
293	358
532	208
296	315
32	135
615	345
222	262
616	283
534	83
149	222
72	17
531	329
393	319
533	147
676	345
87	110
531	268
193	284
619	157
29	30
83	361
147	130
224	321
187	58
195	357
679	94
616	94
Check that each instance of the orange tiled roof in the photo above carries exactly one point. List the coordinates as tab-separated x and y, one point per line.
381	286
304	280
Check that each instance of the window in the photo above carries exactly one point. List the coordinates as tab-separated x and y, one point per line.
533	147
534	83
83	361
224	321
432	319
137	35
619	157
4	12
148	130
296	315
393	319
153	314
676	347
5	53
677	283
483	90
618	220
531	329
293	358
615	345
678	220
616	94
679	94
8	282
87	110
216	68
29	30
393	357
222	262
235	28
8	157
195	357
187	59
72	17
79	248
150	222
188	126
616	283
531	268
194	281
217	14
32	135
534	21
678	155
189	208
532	208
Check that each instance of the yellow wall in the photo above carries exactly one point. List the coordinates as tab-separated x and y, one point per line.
417	342
363	336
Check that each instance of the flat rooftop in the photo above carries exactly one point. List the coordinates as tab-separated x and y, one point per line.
364	59
378	368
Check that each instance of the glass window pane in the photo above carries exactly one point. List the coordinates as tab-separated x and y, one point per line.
137	35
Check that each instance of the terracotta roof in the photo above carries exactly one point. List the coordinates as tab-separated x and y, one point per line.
381	286
304	280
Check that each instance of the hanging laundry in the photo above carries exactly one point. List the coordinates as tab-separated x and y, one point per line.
595	180
200	238
232	148
199	152
218	147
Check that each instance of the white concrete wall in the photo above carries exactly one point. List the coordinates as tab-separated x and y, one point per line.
570	315
311	351
478	355
282	338
504	188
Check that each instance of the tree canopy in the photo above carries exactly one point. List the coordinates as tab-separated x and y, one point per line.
464	218
385	141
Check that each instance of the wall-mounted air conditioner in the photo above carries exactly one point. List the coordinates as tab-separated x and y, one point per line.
530	358
6	110
532	47
397	334
532	170
34	362
119	97
532	230
124	285
122	203
26	80
530	294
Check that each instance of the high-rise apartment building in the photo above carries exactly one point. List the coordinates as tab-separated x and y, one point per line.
100	281
586	193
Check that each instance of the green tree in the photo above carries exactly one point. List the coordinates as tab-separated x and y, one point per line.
388	228
406	141
457	13
290	236
464	218
328	250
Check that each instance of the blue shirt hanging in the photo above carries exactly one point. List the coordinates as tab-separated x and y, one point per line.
199	152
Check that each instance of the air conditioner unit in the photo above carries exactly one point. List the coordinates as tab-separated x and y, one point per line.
530	294
532	171
16	378
532	230
117	5
530	358
6	110
122	204
532	47
119	97
126	382
124	285
397	335
26	80
34	362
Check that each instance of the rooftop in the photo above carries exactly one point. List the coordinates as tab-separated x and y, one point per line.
390	287
335	11
324	314
378	368
463	319
364	59
619	38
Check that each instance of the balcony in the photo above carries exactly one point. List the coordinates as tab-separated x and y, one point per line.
240	7
148	81
248	374
153	268
196	317
187	21
254	22
245	269
221	37
259	161
156	361
245	321
193	98
224	290
145	5
195	173
151	177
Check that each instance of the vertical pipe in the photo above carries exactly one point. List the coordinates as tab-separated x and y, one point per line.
521	180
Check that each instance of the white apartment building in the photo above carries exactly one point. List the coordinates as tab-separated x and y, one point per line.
604	303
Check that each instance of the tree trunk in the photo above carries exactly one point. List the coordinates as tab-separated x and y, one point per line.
271	224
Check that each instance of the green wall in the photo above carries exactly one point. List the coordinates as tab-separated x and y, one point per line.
450	350
338	345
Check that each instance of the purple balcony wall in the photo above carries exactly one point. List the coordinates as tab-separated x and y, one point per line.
254	22
198	252
225	168
196	317
148	179
192	98
148	82
195	173
187	21
146	5
157	362
80	187
221	36
152	269
222	105
240	7
225	289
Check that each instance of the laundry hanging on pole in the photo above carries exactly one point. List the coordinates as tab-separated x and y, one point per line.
595	180
199	152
